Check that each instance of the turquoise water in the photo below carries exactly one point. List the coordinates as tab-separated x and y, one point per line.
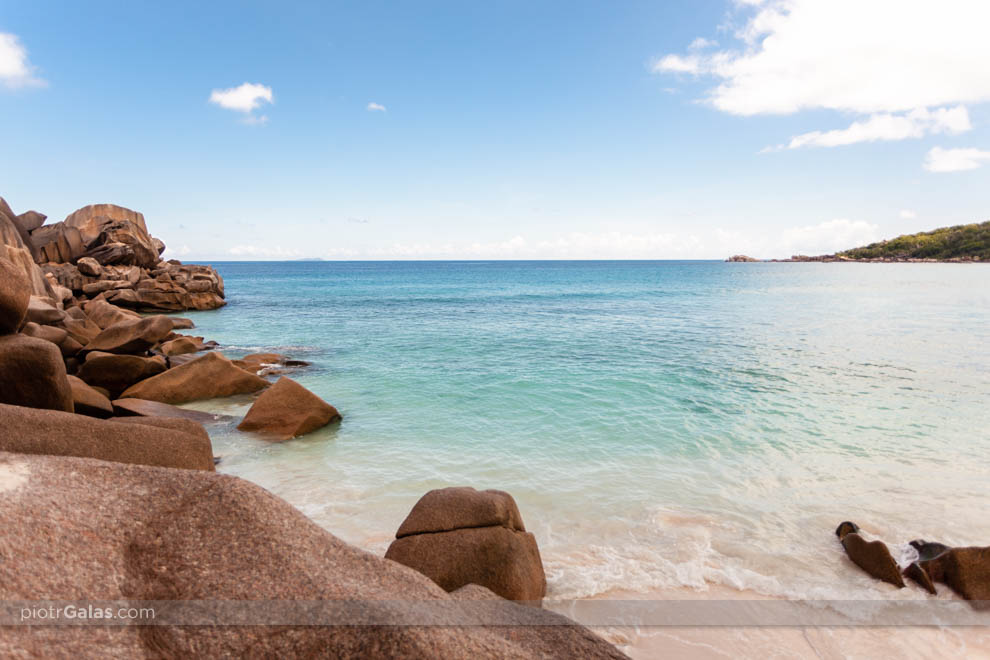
661	424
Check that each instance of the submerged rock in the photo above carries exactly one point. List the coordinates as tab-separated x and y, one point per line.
471	537
207	377
871	556
287	410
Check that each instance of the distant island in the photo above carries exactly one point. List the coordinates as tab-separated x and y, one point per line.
962	243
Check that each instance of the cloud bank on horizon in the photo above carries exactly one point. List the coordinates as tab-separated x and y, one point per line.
905	69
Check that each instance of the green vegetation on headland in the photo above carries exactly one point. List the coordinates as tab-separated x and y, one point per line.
959	243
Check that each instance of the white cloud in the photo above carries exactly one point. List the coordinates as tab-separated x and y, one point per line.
375	107
887	61
15	69
245	98
908	214
886	127
955	160
701	43
264	251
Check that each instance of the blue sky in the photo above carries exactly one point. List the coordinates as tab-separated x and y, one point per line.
692	129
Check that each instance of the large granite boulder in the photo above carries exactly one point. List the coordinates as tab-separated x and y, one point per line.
460	536
32	374
163	443
19	252
87	401
207	377
91	220
31	220
105	315
965	570
68	276
57	243
116	373
42	311
89	266
15	293
287	410
81	329
183	535
871	556
183	345
135	336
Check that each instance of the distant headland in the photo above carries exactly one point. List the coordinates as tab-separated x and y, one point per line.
962	243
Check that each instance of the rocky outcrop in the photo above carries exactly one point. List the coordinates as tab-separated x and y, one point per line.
89	266
118	372
105	315
32	374
741	258
15	293
87	401
871	556
30	220
55	433
133	336
460	536
287	410
183	345
183	535
57	243
207	377
143	408
17	250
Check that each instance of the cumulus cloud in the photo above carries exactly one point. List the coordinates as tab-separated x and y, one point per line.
889	61
15	68
375	107
888	127
244	98
955	160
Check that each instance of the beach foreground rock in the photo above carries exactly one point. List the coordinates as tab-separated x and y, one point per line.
207	377
287	410
161	443
872	556
179	535
471	537
132	336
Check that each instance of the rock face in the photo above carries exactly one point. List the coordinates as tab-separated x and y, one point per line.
965	570
872	556
460	536
19	251
208	377
57	243
89	266
132	336
87	401
32	374
30	431
40	311
185	535
31	220
287	410
104	314
15	293
116	373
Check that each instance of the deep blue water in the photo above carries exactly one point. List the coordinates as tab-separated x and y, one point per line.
661	424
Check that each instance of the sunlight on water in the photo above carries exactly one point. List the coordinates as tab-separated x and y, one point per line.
660	423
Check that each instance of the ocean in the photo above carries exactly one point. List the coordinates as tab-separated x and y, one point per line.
661	424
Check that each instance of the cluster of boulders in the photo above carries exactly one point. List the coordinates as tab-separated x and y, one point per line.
105	252
965	570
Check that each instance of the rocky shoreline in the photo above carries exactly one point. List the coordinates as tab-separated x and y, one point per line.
838	258
108	490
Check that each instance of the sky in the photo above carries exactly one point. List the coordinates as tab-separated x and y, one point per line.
692	129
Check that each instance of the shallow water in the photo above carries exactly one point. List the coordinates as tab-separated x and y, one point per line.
661	424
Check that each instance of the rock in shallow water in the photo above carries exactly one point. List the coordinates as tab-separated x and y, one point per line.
208	377
871	556
287	410
482	542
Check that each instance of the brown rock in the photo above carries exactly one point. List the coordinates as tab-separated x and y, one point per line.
57	243
32	374
92	530
104	314
872	556
94	288
56	433
15	293
67	275
445	509
87	401
259	362
182	346
83	331
118	372
134	336
46	332
42	312
31	220
287	410
965	570
20	252
143	408
208	377
505	561
90	220
89	266
179	323
69	347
